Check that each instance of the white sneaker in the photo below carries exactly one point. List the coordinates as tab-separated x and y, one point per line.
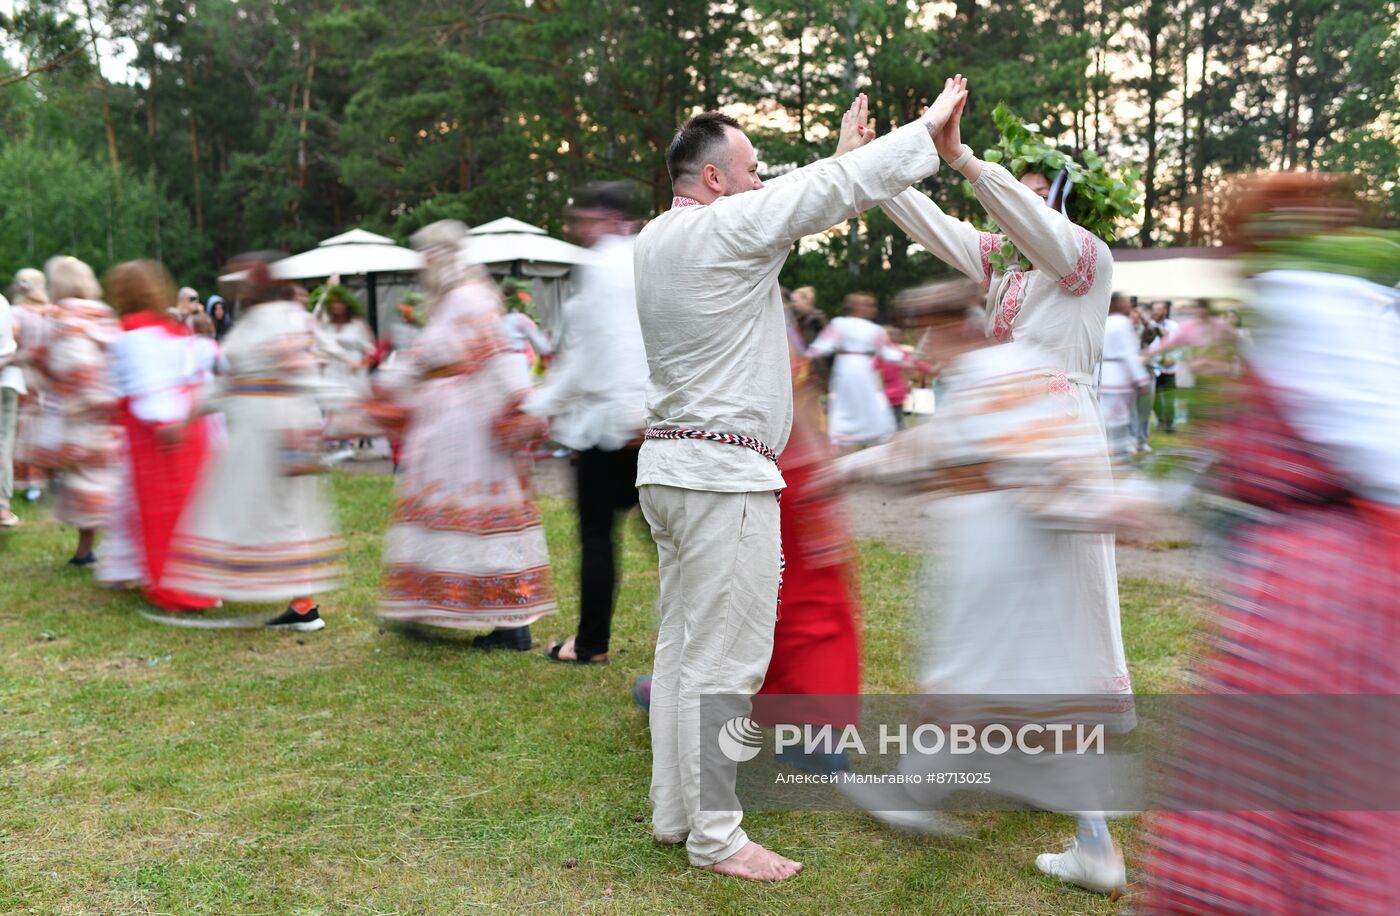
1107	876
336	457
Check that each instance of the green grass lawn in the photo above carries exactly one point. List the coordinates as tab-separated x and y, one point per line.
152	769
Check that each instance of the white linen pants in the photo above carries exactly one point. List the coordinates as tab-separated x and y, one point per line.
1118	415
718	555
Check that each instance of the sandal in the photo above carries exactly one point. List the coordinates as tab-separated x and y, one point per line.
552	653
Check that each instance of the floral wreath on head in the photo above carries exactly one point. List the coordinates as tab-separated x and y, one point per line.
321	297
516	295
1090	195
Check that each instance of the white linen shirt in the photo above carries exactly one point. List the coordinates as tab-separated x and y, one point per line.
712	314
596	388
11	376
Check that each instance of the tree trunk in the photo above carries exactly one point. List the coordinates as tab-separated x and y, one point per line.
303	160
1183	176
151	120
802	77
1198	161
852	225
1292	90
106	98
194	168
1149	175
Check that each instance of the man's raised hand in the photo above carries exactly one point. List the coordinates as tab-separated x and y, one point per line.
856	127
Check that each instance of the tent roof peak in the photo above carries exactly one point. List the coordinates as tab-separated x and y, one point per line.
355	237
503	225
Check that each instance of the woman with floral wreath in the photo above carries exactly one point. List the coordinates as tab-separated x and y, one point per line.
1048	277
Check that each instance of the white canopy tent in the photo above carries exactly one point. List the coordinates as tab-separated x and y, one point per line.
376	267
1177	274
367	263
509	247
352	253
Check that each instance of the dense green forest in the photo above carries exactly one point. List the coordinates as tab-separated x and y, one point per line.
238	124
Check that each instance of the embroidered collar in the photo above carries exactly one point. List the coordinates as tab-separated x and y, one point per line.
684	202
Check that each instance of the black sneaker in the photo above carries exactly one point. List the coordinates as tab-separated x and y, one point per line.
517	638
301	623
86	559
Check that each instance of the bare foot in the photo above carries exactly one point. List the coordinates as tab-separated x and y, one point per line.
755	863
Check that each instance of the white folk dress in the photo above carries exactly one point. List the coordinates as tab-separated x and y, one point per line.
859	410
31	321
1019	468
258	528
466	547
78	436
346	347
1060	307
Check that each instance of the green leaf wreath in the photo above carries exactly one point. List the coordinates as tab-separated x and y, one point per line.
1372	254
1099	199
331	292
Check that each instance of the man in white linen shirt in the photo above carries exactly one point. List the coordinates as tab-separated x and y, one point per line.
719	411
596	393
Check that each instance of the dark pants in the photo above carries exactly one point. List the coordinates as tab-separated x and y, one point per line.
607	484
1166	400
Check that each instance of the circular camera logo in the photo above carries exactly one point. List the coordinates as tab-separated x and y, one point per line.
740	739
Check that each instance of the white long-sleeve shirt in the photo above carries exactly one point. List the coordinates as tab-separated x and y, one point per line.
597	385
1330	344
1123	372
712	315
159	371
11	375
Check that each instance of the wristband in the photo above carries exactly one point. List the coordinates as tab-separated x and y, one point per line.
962	159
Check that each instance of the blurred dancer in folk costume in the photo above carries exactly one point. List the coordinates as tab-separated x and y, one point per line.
260	527
1018	467
1049	280
77	437
816	640
720	410
1312	585
860	411
156	366
466	546
30	310
595	391
348	347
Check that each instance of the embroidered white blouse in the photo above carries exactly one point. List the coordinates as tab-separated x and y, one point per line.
1060	304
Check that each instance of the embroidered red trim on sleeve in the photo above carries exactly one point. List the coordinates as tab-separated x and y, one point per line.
987	242
1081	280
1010	307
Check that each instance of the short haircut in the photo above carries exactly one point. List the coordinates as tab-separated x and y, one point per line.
700	140
621	198
855	300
